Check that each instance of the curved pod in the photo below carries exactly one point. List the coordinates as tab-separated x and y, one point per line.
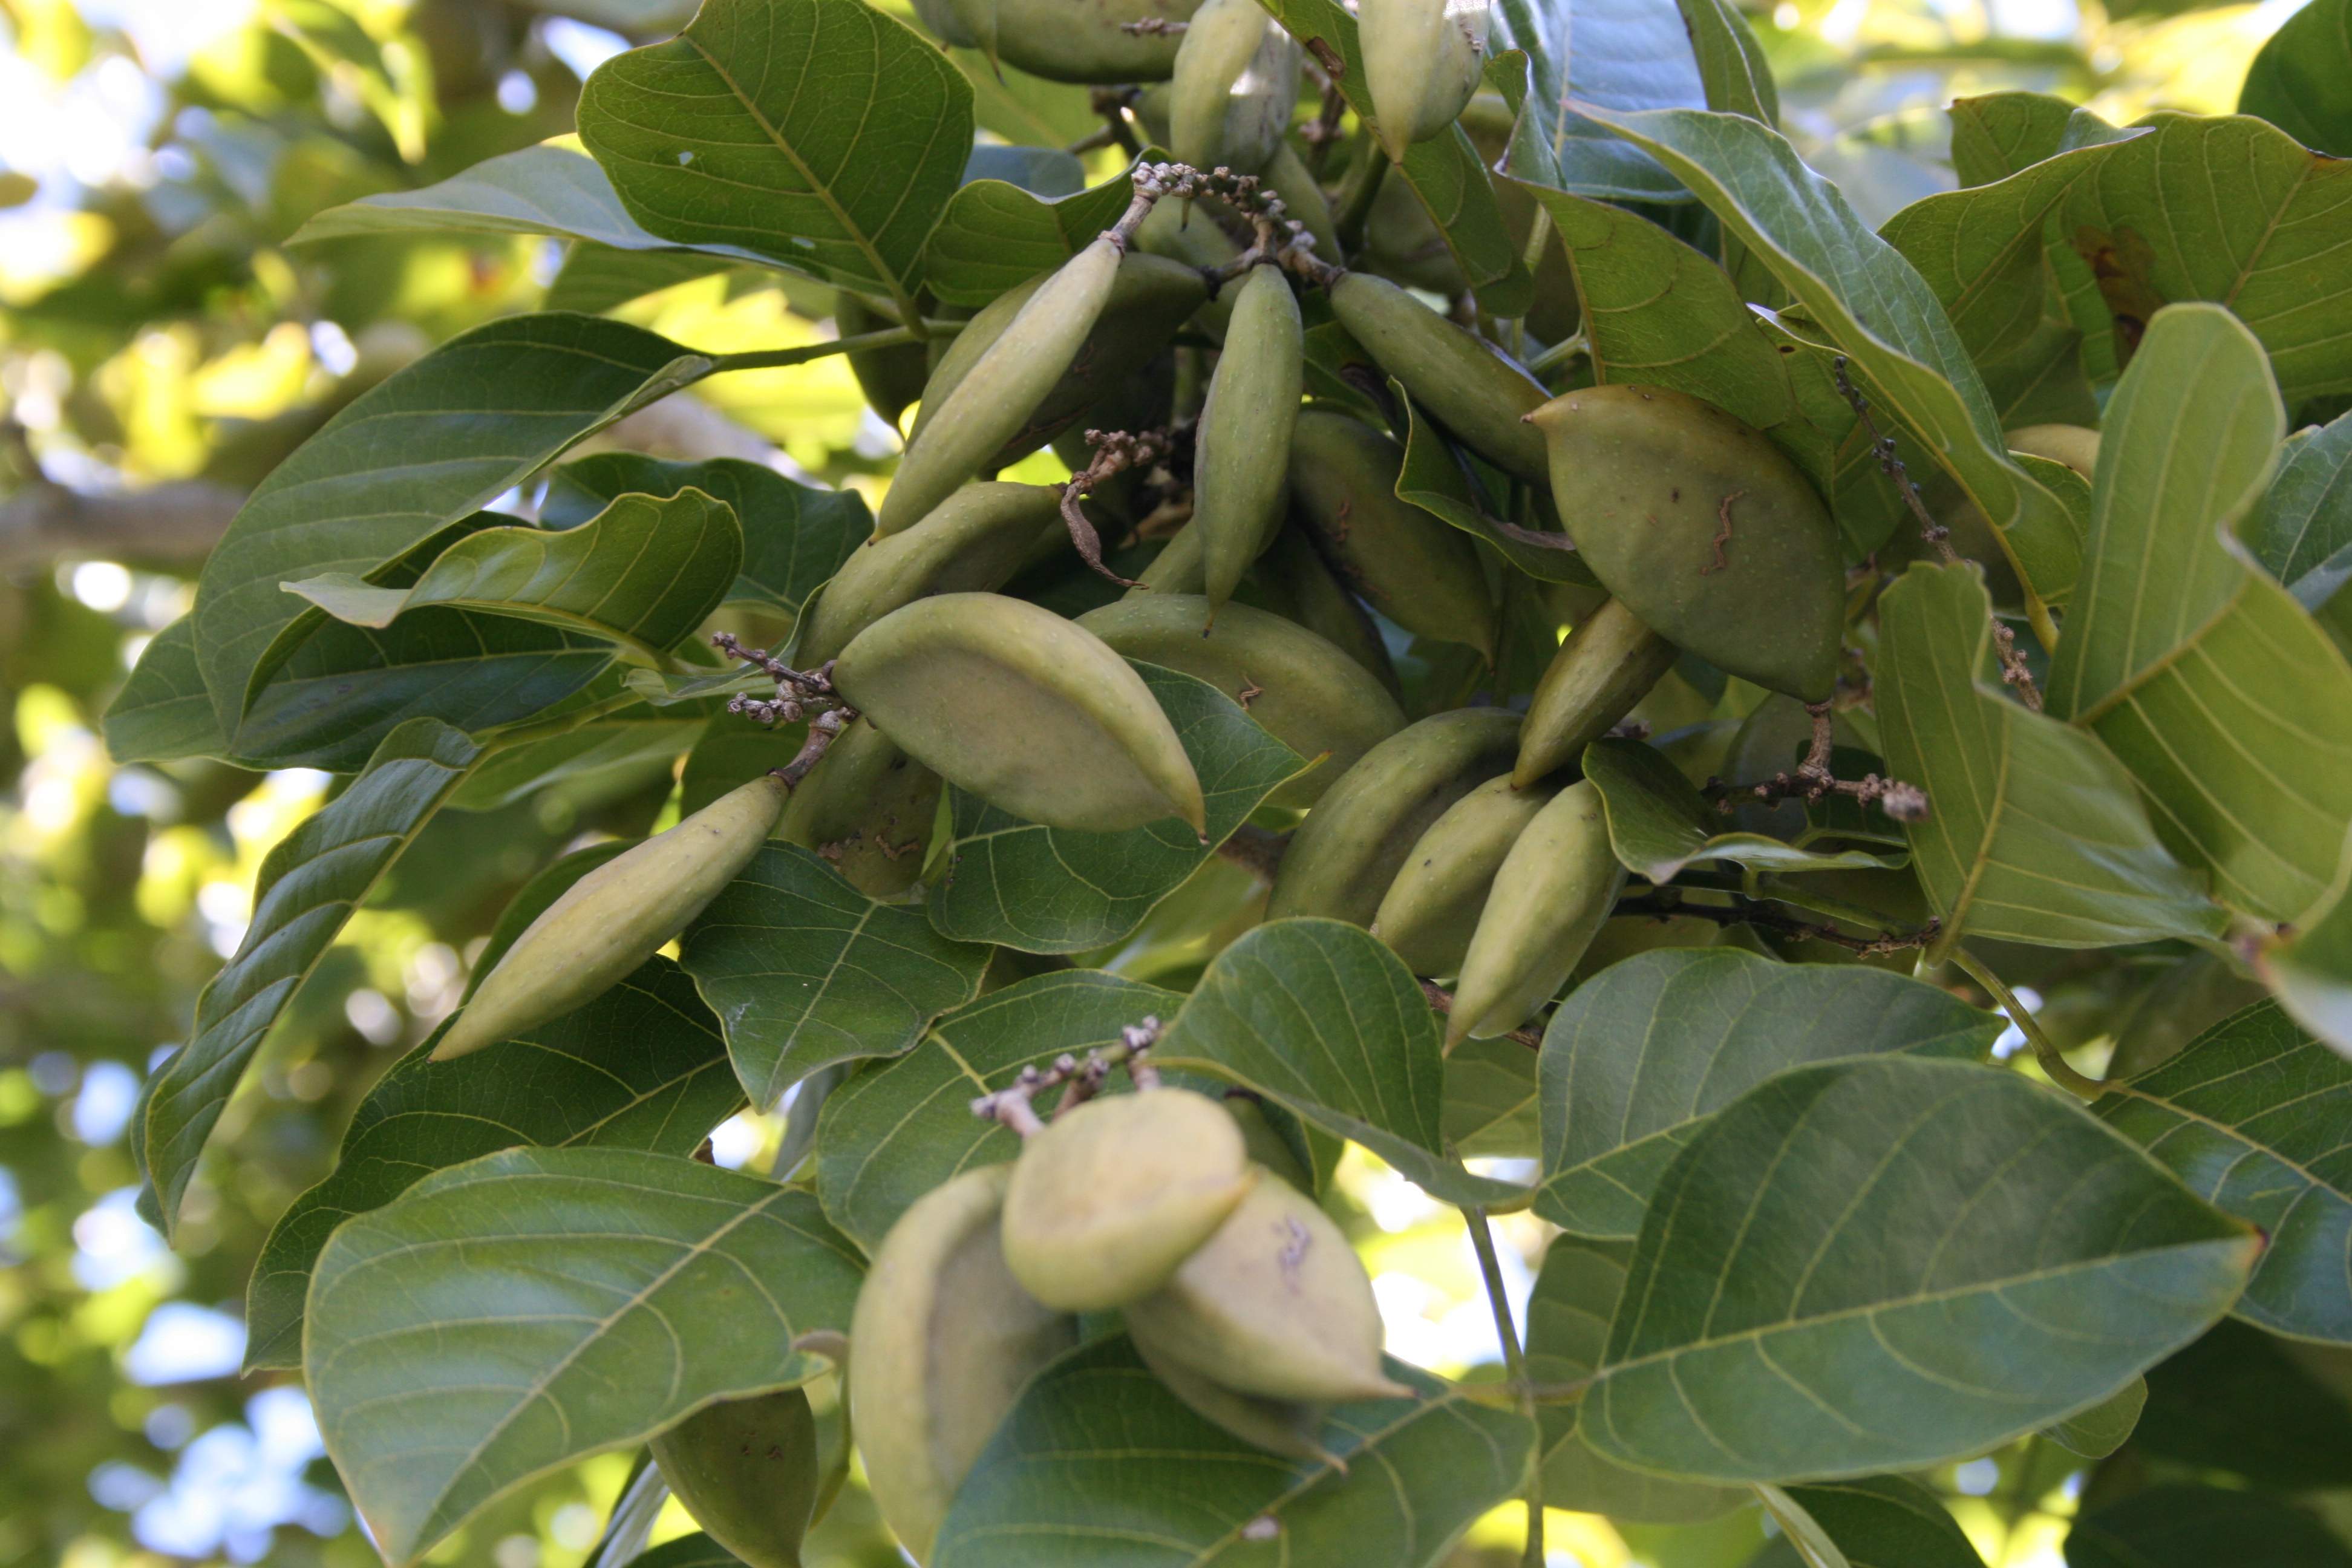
747	1469
1606	666
1428	912
868	808
971	543
1549	899
1476	394
1422	61
1236	79
1083	41
1245	431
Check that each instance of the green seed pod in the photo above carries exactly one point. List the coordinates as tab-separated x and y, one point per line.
1236	78
1472	390
1287	176
867	808
1307	694
939	17
1023	708
1403	243
615	918
1351	846
1423	574
1296	581
1111	1196
1554	889
1078	43
941	1344
1422	61
1428	913
891	379
971	543
747	1469
1275	1304
1181	567
1607	665
1284	1426
2071	444
1245	431
1703	529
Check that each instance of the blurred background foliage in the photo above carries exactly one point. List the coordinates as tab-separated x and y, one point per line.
161	345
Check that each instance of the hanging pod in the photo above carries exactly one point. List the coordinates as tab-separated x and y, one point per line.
971	543
1307	694
1236	79
1029	711
942	1340
1275	1304
1181	568
1287	1426
1083	41
1421	62
866	807
747	1469
1344	855
1476	394
1606	666
891	379
1114	1193
1549	900
1427	914
1244	430
1695	519
1296	583
615	918
1422	573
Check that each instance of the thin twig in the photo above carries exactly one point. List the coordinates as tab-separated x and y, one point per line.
1010	1105
1515	1365
1814	779
1440	1000
2045	1050
1667	902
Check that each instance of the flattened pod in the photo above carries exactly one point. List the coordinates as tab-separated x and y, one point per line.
971	543
1703	529
867	808
1284	1426
1245	434
615	918
1474	392
1349	849
1307	694
1236	79
941	1344
1077	41
1029	711
1606	666
1422	573
1275	1304
747	1469
1422	61
1112	1195
1555	890
1429	910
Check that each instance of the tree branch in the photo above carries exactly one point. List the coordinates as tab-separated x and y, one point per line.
172	524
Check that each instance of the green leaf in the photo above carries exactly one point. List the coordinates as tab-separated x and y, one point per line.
1568	1313
2232	211
2252	1118
596	278
1320	1016
1099	1463
2310	972
2003	133
1641	1055
635	741
1732	67
1852	1268
1049	890
308	888
2213	688
1658	823
1878	1522
2301	81
1490	1100
697	1551
2196	1527
900	1128
804	970
1436	477
506	1317
724	135
2034	832
2242	1401
642	1067
2301	530
2106	1426
1877	309
1616	54
492	406
796	536
645	573
995	236
163	711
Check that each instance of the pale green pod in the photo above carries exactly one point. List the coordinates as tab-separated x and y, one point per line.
1114	1193
1705	530
1029	711
971	543
1244	433
939	17
747	1469
1307	693
1287	176
1549	900
1606	666
1077	41
615	918
1422	573
1295	581
1476	394
1344	855
941	1344
1275	1304
868	808
1429	912
1236	79
1289	1427
2075	446
1181	567
1421	63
